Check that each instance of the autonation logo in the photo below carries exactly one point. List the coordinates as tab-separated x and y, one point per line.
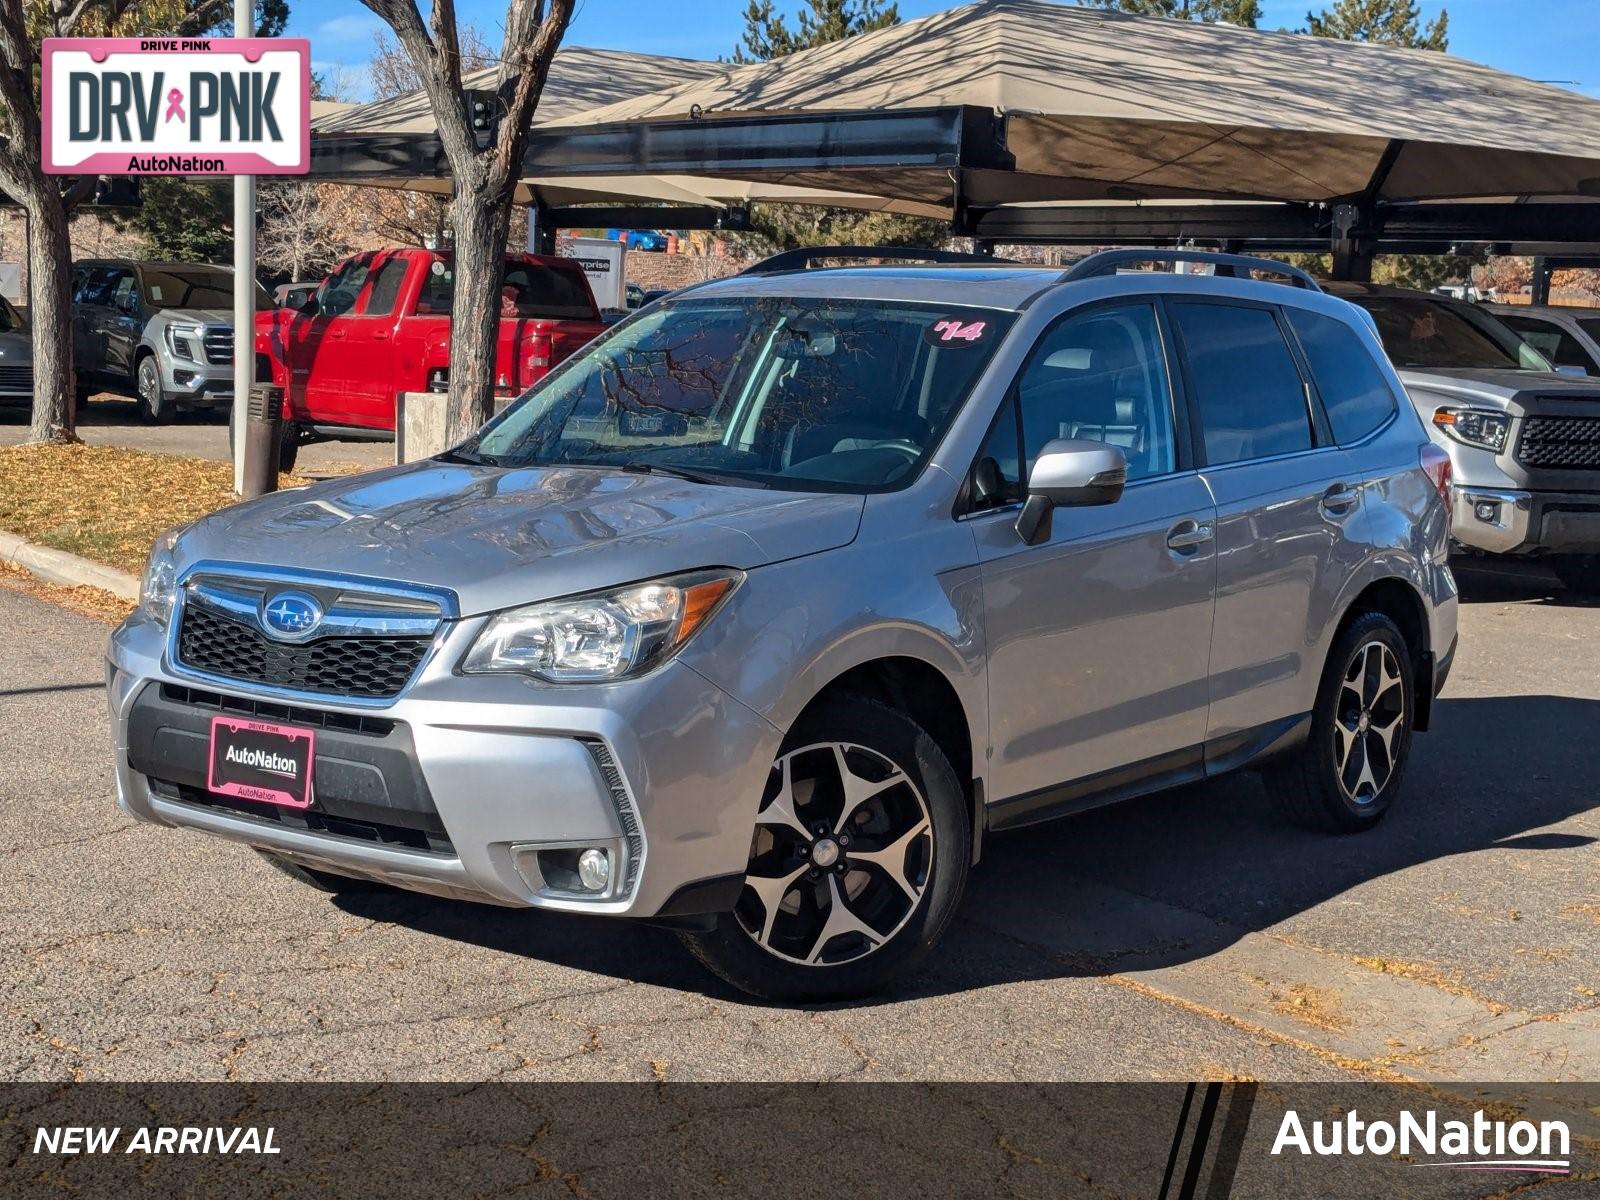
1481	1144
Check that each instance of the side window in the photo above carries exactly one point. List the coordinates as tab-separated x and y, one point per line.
386	287
124	289
1550	340
1353	390
339	290
1101	375
997	476
1251	398
438	289
97	287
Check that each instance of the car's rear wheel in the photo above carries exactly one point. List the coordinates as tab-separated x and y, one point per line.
1579	572
1346	775
155	405
861	849
322	881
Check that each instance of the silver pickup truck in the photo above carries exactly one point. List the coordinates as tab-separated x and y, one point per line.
159	332
1523	438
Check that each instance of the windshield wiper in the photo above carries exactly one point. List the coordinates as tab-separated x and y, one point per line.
640	467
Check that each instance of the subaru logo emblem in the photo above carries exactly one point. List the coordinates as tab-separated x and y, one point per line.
290	616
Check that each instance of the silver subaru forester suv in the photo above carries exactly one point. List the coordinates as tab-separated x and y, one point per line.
759	613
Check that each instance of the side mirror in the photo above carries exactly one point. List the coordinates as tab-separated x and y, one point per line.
1070	473
309	305
129	303
1577	372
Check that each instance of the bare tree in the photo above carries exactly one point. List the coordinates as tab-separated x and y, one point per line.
486	178
300	231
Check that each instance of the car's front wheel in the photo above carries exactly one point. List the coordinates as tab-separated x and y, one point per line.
155	405
861	849
1346	775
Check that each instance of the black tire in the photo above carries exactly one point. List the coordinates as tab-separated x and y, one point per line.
155	406
877	734
1318	786
322	881
1579	572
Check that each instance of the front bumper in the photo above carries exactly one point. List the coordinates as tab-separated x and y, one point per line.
1511	521
482	775
196	383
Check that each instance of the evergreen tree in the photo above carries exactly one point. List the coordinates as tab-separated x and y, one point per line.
1229	12
767	34
1386	22
185	220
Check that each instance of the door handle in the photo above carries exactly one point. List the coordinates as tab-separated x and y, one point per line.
336	335
380	335
1188	535
1339	500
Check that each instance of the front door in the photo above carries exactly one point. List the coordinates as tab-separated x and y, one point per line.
1098	637
124	327
324	366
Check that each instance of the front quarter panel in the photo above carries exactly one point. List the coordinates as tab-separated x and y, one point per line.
907	587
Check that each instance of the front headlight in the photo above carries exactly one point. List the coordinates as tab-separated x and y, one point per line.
604	636
160	587
182	339
1479	427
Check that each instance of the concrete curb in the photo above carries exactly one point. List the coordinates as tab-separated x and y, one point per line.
57	566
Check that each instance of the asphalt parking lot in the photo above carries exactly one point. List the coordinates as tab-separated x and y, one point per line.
114	421
1192	935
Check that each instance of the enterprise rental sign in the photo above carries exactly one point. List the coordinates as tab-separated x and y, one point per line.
171	106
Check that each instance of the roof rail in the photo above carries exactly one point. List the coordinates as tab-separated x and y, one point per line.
1106	262
801	258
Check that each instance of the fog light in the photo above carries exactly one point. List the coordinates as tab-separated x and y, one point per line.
594	870
1487	511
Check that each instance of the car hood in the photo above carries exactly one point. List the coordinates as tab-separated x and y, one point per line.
15	345
1501	389
499	537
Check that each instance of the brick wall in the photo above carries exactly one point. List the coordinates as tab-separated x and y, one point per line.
655	269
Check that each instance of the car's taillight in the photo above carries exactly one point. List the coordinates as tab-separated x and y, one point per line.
1436	465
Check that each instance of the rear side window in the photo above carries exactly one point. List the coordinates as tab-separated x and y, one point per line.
1353	390
1249	392
527	290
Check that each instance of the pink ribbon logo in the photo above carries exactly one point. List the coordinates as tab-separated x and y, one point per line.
175	105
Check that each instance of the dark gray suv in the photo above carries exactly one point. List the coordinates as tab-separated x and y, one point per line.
757	613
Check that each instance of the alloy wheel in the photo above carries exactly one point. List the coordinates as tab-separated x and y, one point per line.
149	388
1368	720
841	856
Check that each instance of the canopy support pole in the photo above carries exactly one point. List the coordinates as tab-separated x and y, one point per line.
1542	270
541	228
244	299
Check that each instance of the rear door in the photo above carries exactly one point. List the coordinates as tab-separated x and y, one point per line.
91	313
1099	636
124	325
1288	515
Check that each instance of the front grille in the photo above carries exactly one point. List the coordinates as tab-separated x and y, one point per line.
1560	443
368	667
219	346
16	378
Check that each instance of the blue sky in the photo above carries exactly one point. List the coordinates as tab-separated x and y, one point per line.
1555	40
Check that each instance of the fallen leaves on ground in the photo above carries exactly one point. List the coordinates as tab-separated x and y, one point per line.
86	601
104	502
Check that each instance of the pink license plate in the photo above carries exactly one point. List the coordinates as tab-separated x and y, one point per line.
262	760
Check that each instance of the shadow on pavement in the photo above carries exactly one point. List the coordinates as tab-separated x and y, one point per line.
1193	869
1511	582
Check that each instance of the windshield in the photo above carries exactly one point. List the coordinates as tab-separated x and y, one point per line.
194	287
1422	332
798	394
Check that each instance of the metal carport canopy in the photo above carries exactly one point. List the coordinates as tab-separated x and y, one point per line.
1020	103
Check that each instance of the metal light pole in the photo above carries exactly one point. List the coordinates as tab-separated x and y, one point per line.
244	280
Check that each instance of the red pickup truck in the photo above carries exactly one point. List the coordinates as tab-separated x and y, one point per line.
380	325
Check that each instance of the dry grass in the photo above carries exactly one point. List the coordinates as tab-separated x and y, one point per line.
105	503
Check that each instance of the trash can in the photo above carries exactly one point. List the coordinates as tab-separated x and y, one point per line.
263	435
